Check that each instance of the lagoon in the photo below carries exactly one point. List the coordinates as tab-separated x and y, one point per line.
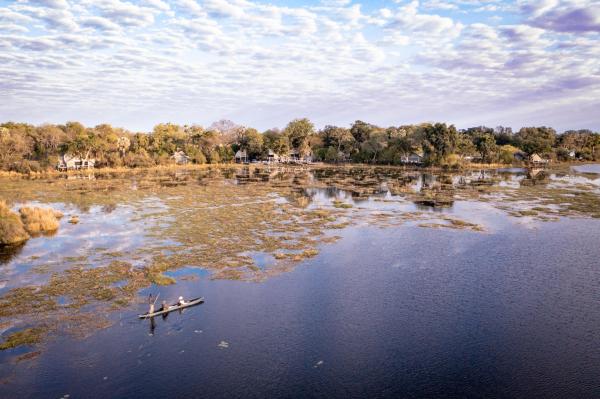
322	282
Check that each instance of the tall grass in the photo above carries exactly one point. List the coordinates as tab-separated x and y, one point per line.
12	231
40	220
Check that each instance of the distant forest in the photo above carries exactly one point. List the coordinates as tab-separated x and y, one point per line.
27	148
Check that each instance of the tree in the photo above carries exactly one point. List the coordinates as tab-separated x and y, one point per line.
208	144
298	132
193	134
376	142
251	141
123	143
361	131
275	140
486	146
536	139
337	137
507	153
166	139
49	139
14	145
465	145
503	135
440	141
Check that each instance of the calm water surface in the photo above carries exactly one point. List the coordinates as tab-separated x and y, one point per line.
384	312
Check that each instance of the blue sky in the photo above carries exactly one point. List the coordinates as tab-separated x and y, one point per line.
262	63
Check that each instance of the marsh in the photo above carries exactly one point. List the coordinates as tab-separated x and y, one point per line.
336	281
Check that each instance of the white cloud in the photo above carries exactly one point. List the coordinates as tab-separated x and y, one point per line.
409	19
575	16
263	63
158	4
61	4
125	13
100	23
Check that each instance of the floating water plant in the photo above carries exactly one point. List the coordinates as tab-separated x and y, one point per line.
28	336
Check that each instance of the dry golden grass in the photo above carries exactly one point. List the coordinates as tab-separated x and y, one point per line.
39	220
12	231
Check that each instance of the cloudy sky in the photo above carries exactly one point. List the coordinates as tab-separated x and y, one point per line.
262	63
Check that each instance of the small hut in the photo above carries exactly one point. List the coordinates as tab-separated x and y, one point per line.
180	158
412	158
72	162
241	156
272	156
295	156
537	160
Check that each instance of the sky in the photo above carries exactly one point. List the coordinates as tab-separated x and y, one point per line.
262	63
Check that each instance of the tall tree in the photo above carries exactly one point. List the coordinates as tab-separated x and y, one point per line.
441	141
536	139
361	131
486	146
298	132
337	137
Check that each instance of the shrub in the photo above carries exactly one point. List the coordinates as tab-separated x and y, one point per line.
25	167
39	220
138	160
452	161
507	154
12	231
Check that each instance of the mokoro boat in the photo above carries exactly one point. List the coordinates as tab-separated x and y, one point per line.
175	306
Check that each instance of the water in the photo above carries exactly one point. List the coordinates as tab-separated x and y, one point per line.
589	168
400	311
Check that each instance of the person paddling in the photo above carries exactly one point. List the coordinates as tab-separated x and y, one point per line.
151	302
164	306
181	301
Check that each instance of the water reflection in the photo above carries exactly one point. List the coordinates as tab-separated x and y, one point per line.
8	253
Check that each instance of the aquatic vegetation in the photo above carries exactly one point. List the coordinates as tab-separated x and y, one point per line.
40	220
28	356
12	231
341	204
245	224
161	279
28	336
455	224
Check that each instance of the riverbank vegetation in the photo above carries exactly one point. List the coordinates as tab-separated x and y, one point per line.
12	231
40	220
26	148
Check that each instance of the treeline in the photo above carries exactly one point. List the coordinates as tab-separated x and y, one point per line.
26	148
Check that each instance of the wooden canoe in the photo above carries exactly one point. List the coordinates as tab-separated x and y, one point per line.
176	306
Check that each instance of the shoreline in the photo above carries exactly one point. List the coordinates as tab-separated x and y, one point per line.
321	165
